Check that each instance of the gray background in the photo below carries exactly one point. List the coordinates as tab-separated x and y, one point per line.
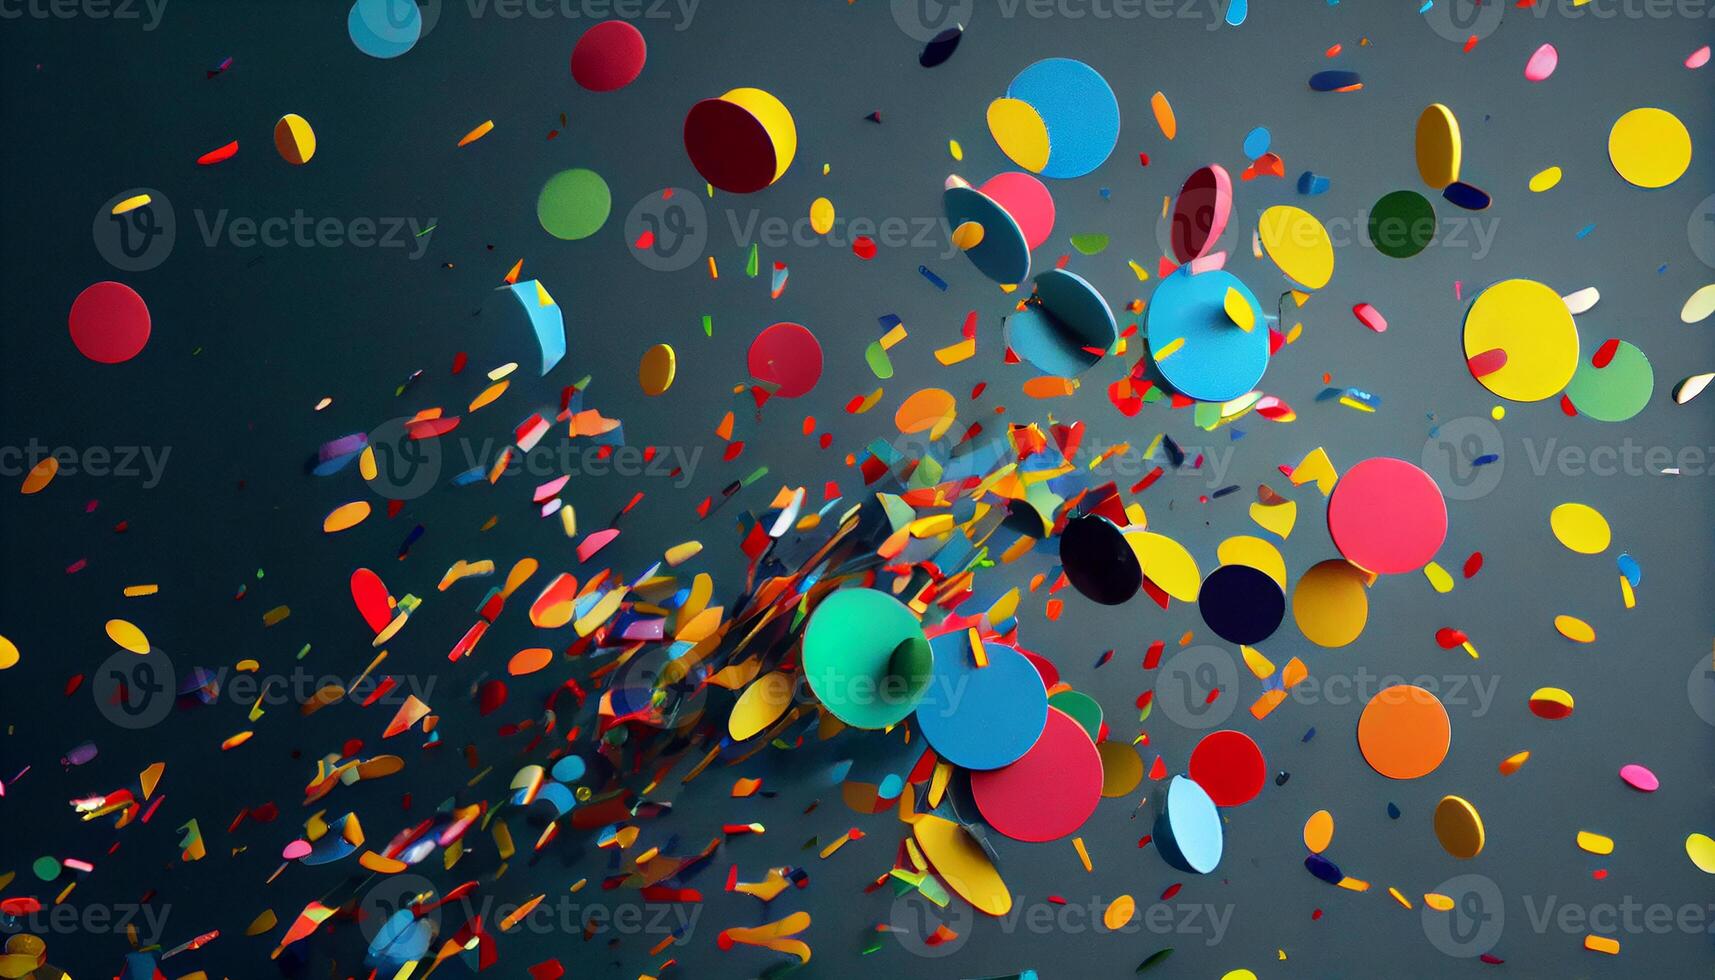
247	340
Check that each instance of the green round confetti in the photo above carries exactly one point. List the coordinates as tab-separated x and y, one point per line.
574	204
1616	391
46	868
1402	224
1083	709
866	658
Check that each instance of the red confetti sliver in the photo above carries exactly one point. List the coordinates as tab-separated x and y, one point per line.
1153	656
863	247
1470	43
1473	564
1605	353
1486	363
1171	891
645	240
220	155
1158	770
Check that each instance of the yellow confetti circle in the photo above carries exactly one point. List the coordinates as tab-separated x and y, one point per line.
1581	528
1649	147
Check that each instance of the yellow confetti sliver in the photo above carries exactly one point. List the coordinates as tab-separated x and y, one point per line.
1595	843
1164	116
1544	180
1513	763
955	149
1602	944
482	129
1083	853
131	203
127	635
1438	577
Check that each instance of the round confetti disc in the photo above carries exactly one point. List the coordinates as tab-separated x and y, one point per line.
294	140
656	371
1166	564
1459	827
1330	603
734	148
608	56
1241	604
574	204
1059	331
1188	830
1196	346
1098	561
1520	341
929	410
1229	767
384	28
1617	390
788	356
866	658
1387	516
1649	147
1244	549
1122	769
1552	703
1003	252
1700	848
981	717
1200	212
1438	146
1027	200
1082	708
1580	528
1404	732
109	322
1402	224
1298	244
1078	110
1020	133
1050	791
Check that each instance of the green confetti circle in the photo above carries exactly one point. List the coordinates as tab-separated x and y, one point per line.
1402	224
574	204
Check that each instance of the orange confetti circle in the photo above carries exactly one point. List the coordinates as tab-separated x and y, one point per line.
1404	732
